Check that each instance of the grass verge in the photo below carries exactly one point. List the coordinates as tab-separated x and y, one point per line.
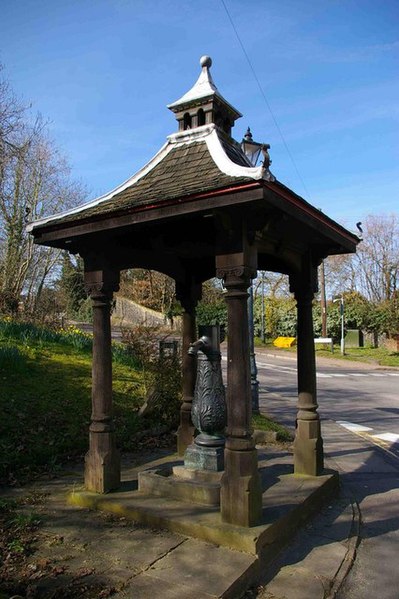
45	400
263	423
371	355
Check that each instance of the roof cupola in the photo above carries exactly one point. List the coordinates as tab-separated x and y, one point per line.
203	104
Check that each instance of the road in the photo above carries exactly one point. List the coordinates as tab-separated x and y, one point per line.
359	408
361	398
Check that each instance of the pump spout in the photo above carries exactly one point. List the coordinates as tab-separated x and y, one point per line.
203	344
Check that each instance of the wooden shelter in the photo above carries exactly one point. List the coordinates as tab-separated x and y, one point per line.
197	210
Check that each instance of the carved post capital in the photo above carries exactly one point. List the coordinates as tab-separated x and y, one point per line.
303	295
236	276
101	284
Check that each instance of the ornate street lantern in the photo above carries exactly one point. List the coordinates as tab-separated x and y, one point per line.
253	149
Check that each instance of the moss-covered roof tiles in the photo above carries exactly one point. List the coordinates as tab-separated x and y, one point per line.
186	170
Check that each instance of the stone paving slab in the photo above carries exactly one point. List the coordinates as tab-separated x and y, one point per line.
318	558
147	587
203	567
130	560
295	582
288	501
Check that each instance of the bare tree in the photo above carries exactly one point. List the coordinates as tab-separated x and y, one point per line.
149	288
271	284
339	274
377	260
34	182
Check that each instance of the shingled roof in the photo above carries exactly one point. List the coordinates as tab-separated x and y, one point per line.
190	163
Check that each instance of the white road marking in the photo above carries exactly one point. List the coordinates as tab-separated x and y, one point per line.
267	365
391	437
274	367
351	426
321	375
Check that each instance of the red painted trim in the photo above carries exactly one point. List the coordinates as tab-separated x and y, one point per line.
195	196
277	188
309	209
148	207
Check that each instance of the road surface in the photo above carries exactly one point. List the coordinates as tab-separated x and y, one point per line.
359	408
361	398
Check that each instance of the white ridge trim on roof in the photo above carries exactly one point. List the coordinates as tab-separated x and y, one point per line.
208	133
159	156
191	135
227	166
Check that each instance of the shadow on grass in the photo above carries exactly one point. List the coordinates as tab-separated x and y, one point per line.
46	407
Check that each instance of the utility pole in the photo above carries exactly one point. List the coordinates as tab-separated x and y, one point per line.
340	299
263	330
252	360
342	326
323	301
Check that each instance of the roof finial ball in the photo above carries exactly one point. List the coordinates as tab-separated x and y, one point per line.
206	61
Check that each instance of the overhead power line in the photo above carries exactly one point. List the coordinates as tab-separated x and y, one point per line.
264	98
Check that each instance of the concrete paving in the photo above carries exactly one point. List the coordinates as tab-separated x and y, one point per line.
317	560
288	501
374	481
130	560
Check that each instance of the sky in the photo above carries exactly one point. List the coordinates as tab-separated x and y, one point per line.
316	79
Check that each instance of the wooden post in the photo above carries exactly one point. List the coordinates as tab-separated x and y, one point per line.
102	461
241	493
308	445
188	295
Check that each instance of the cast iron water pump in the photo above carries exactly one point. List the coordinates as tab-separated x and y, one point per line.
209	403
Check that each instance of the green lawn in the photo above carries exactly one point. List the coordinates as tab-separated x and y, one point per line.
263	423
371	355
45	402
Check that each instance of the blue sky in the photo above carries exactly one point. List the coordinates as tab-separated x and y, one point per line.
102	72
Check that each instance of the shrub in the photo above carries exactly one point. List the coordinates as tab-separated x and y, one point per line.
212	313
212	309
161	374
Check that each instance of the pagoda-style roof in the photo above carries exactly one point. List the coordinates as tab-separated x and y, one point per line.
173	213
190	163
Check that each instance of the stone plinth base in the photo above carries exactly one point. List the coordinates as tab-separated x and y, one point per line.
102	466
288	501
200	457
308	448
192	486
241	492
